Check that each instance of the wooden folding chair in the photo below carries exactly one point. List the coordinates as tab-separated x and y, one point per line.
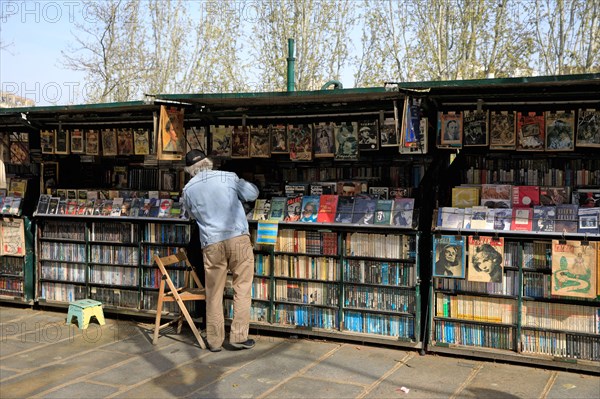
178	294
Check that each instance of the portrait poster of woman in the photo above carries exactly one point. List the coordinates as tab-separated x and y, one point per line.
486	259
449	256
324	143
346	141
171	140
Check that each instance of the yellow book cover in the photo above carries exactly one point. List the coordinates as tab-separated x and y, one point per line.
465	197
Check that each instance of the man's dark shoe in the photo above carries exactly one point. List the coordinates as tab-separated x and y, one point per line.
248	344
217	349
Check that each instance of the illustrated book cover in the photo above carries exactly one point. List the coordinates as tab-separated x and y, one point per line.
403	211
525	196
262	208
522	219
383	211
364	209
344	209
475	128
310	208
502	130
277	211
574	269
300	142
560	131
544	218
292	208
530	132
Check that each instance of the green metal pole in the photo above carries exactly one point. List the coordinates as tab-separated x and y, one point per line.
291	66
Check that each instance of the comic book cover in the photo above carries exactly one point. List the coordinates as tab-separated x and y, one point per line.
259	142
300	140
240	142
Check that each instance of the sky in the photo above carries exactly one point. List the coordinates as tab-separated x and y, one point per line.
36	32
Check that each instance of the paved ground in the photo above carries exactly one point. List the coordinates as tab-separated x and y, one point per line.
41	357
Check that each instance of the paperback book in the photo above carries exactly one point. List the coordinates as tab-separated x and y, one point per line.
588	220
544	218
277	211
327	208
383	211
344	209
310	208
364	209
403	211
522	219
566	218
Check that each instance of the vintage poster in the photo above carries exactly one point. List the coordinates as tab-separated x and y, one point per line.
574	269
502	130
61	142
141	142
368	135
12	237
77	141
47	141
588	128
324	142
259	142
221	141
486	259
449	256
560	131
300	141
92	142
530	132
451	129
240	142
388	133
109	142
19	148
475	128
171	140
346	141
196	138
279	139
124	142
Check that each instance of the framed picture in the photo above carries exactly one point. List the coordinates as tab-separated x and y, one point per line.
92	142
77	141
61	142
109	142
196	138
171	140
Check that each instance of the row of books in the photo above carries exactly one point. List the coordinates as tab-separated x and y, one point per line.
564	218
379	324
117	207
365	209
482	335
560	344
514	196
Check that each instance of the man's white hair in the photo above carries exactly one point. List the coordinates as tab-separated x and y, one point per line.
204	164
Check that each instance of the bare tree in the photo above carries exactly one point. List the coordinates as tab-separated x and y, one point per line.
567	36
321	29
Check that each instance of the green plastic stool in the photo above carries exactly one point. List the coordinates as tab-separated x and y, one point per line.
84	309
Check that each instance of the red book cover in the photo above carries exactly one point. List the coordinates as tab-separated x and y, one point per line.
522	219
327	208
525	196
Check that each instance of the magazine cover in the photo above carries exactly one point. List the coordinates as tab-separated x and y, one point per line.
387	133
530	132
259	142
475	128
279	139
403	212
300	141
588	128
109	142
262	209
502	130
574	269
346	142
522	219
502	219
92	142
465	197
560	131
496	192
324	142
451	132
449	256
368	135
588	220
61	142
171	139
486	259
141	143
77	141
124	142
221	141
